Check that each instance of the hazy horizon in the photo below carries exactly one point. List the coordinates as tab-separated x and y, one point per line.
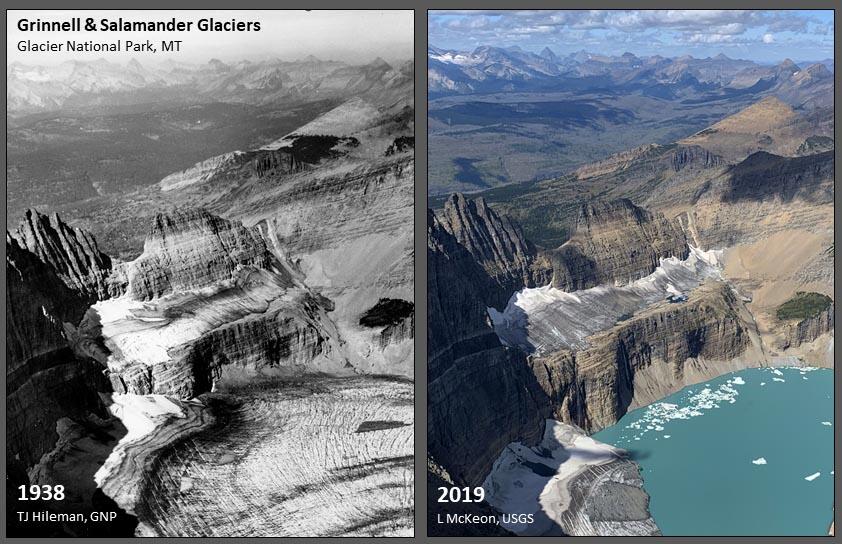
762	36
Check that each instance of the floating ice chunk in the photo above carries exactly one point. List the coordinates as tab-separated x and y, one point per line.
778	380
812	477
777	372
738	381
762	383
803	377
667	435
759	461
827	423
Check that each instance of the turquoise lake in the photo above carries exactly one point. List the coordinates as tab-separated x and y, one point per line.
738	455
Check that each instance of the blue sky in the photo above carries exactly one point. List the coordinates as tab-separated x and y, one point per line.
764	36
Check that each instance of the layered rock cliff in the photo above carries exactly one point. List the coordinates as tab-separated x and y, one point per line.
496	243
615	242
44	380
72	253
205	294
49	389
647	357
192	249
469	370
810	328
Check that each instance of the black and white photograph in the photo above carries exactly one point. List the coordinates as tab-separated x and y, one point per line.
210	273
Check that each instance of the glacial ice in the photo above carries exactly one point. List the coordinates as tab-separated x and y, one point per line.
543	319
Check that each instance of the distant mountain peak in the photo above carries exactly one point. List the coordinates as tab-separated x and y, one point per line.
380	63
548	54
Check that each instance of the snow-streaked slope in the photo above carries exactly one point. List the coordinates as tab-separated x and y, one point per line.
348	118
545	319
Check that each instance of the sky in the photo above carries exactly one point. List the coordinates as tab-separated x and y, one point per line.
762	36
348	35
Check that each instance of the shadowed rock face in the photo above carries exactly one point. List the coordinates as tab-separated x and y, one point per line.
594	387
764	176
44	380
72	253
615	242
481	395
810	328
496	243
47	385
191	249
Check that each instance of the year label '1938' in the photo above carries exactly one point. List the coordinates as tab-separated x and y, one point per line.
41	493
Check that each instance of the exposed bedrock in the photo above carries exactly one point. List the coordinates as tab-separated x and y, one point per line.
496	243
71	252
810	328
763	195
192	249
47	386
344	228
653	354
206	294
481	395
615	242
394	318
44	380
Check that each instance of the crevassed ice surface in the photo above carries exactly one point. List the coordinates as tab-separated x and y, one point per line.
543	319
749	453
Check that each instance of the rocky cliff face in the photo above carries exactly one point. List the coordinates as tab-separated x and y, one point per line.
345	228
496	243
810	328
205	294
48	387
44	381
615	242
470	372
482	396
645	358
192	249
72	253
763	195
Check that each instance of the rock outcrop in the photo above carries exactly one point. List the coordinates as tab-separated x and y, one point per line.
71	252
615	242
482	395
496	243
44	381
809	329
47	385
205	294
192	249
647	357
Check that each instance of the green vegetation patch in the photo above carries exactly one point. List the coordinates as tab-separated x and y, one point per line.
804	305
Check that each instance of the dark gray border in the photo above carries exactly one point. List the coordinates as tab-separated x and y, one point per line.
420	7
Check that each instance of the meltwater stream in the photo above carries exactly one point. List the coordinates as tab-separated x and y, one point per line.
749	453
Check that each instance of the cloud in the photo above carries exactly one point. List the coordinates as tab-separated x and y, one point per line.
696	31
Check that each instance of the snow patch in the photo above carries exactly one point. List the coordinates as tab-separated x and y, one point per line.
546	319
